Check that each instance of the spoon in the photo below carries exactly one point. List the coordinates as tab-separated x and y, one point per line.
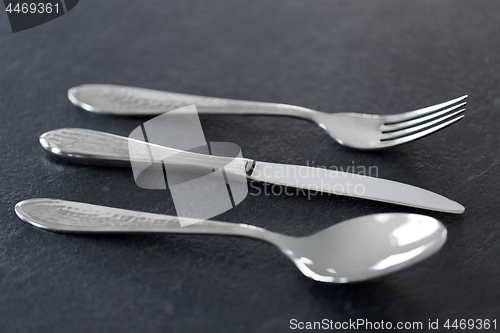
358	249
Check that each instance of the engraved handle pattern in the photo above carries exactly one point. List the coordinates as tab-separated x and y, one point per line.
60	215
82	143
76	217
100	148
129	101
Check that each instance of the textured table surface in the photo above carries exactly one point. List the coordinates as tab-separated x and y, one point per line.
378	57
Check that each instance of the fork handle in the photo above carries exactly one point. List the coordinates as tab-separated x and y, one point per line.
129	101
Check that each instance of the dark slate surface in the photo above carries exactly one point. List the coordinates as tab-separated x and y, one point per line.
378	57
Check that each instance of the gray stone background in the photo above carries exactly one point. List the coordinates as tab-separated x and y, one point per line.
336	56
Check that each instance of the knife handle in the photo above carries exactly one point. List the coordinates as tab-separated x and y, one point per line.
100	148
129	101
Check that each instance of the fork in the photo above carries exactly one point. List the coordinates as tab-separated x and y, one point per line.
354	130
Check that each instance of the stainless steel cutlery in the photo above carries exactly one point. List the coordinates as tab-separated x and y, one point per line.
354	130
93	147
355	250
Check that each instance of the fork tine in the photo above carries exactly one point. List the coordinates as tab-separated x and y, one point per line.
416	121
418	135
400	117
415	129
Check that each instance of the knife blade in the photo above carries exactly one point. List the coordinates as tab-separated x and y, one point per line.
100	148
353	185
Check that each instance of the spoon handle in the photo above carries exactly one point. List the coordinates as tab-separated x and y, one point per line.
77	217
129	101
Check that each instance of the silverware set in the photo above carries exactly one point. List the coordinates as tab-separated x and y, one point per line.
355	250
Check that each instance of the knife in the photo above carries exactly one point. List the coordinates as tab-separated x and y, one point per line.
100	148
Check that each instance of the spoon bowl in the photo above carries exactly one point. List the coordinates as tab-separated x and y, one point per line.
366	247
359	249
